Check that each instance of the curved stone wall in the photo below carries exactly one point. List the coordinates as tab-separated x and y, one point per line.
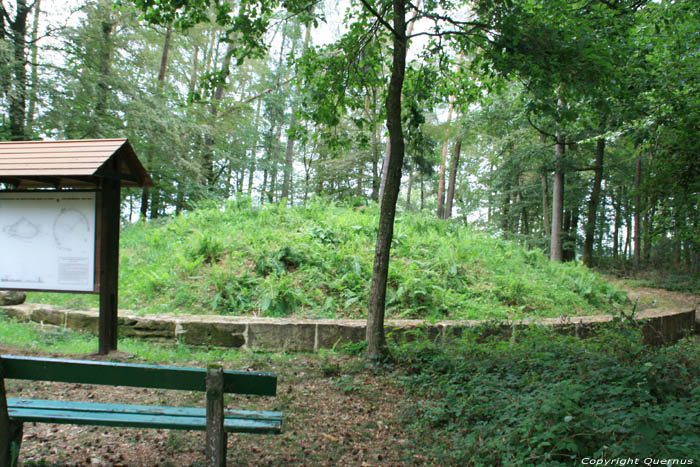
274	334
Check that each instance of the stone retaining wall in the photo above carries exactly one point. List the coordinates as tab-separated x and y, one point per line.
274	334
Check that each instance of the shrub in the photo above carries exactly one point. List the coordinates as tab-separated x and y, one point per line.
550	399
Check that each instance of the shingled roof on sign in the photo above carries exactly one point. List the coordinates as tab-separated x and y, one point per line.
70	164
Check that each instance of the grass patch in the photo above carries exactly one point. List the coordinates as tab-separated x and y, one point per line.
316	262
52	339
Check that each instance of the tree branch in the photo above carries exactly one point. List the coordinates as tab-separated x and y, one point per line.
539	129
380	18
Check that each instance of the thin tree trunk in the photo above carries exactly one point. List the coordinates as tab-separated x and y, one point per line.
18	94
647	236
145	193
616	228
375	150
376	340
593	204
164	56
193	71
35	67
453	178
505	221
443	161
208	153
637	210
289	161
408	191
555	247
385	167
545	206
387	151
254	150
422	193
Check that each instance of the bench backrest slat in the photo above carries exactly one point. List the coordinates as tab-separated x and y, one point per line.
133	375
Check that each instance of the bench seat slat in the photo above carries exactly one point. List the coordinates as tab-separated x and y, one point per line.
141	409
133	416
133	375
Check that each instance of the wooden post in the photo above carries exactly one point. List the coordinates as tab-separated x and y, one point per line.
109	212
216	436
10	430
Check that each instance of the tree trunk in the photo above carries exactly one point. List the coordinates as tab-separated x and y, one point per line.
289	161
453	178
18	94
208	155
385	167
164	56
145	193
593	204
616	228
387	151
422	194
408	191
443	162
254	149
35	68
505	221
648	233
555	248
375	151
627	253
637	211
545	206
104	66
376	340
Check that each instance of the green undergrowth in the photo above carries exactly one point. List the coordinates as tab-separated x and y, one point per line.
316	261
548	399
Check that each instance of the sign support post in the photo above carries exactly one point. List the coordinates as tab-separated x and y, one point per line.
109	264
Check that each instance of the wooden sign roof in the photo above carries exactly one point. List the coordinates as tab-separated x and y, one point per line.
70	164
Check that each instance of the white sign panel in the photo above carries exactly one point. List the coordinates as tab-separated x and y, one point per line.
47	241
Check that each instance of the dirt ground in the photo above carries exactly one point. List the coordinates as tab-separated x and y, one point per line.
336	412
649	298
329	419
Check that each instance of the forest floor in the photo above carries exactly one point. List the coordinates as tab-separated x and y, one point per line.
648	298
336	410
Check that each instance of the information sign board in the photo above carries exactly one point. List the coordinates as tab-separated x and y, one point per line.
47	240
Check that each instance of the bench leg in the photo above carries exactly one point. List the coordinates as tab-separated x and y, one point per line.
216	436
10	441
16	431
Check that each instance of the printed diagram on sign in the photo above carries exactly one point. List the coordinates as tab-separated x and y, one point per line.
22	230
71	230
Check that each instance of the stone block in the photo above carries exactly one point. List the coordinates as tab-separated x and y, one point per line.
12	297
18	312
221	334
83	321
148	328
48	315
279	336
335	335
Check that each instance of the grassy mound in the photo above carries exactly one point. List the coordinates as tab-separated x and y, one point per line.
316	261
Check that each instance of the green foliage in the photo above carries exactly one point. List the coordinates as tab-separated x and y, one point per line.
207	247
544	398
316	261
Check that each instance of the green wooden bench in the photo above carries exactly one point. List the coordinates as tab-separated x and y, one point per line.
213	419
